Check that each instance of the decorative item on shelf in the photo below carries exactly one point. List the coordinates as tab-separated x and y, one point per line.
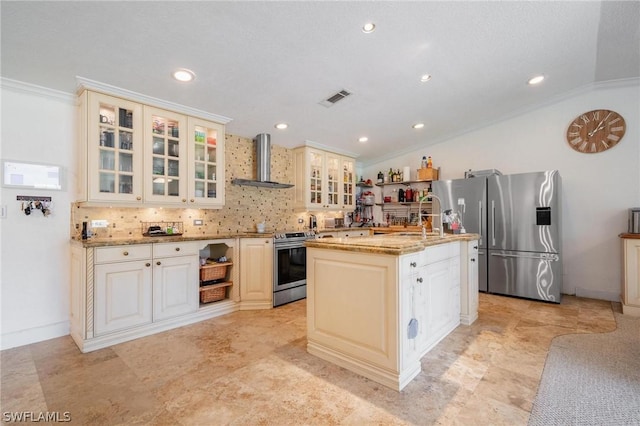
429	173
380	177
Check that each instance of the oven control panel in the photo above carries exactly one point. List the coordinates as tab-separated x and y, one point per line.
301	235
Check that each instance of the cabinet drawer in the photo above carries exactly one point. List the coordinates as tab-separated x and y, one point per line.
175	249
123	253
411	263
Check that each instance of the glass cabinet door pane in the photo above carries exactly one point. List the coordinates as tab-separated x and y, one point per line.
211	172
174	168
173	187
126	184
126	162
107	160
199	189
158	146
158	166
199	171
106	137
107	182
212	190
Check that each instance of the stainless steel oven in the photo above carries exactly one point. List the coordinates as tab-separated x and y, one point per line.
290	267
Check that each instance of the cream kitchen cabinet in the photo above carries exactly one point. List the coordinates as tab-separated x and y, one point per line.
110	150
631	283
123	290
165	160
175	279
137	154
256	273
469	282
206	142
324	181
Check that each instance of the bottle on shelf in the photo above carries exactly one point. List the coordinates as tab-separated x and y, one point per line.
429	163
423	164
380	177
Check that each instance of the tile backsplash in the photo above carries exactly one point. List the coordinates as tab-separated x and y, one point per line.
245	206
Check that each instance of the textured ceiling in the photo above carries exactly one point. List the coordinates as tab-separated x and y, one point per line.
260	63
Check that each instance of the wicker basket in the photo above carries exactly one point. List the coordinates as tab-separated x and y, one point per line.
214	292
214	271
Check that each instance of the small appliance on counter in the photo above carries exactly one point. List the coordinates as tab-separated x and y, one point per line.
634	220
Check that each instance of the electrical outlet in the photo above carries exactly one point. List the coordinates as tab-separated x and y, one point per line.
461	201
197	222
100	223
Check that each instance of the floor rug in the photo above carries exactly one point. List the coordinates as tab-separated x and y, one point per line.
591	379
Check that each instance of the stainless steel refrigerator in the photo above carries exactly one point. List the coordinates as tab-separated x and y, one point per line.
519	220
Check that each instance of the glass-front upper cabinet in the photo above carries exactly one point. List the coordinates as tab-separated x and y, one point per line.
166	157
114	150
206	143
333	178
348	184
316	178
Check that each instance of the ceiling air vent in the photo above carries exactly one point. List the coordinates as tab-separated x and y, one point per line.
331	100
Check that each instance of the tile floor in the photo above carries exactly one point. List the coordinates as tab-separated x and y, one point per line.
251	367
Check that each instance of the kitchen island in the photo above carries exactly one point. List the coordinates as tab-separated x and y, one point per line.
376	305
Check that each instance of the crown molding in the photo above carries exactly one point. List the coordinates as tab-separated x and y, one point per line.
33	89
87	84
317	145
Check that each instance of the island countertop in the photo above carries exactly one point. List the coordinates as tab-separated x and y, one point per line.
395	244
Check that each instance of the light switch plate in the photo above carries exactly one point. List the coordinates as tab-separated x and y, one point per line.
197	222
99	223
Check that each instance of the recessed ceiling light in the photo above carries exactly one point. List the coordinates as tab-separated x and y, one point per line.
369	27
184	74
425	78
281	126
536	80
418	125
363	139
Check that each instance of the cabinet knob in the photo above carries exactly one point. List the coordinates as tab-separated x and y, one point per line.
419	279
473	260
475	247
184	200
147	264
138	198
192	200
125	253
413	264
158	263
177	248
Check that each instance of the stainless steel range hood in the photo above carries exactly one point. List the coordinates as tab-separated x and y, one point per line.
263	165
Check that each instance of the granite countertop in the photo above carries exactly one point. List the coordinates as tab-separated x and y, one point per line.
395	244
346	228
630	236
103	242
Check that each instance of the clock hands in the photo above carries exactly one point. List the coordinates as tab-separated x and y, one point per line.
599	126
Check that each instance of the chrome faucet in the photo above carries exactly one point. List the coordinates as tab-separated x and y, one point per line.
420	215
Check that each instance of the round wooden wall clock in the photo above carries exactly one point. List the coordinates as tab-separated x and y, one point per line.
596	131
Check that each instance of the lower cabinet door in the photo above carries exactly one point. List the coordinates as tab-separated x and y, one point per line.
441	296
175	286
122	296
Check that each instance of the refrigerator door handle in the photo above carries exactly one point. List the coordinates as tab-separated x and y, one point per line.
542	256
480	218
493	222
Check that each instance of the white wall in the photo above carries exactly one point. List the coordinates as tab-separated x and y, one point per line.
38	125
597	188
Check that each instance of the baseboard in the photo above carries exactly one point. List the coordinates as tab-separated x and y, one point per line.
611	296
34	335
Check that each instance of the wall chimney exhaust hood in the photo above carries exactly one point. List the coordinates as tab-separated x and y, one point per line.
263	166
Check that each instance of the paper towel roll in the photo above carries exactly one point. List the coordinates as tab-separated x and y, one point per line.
406	173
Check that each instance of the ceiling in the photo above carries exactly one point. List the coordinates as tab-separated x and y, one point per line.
261	63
